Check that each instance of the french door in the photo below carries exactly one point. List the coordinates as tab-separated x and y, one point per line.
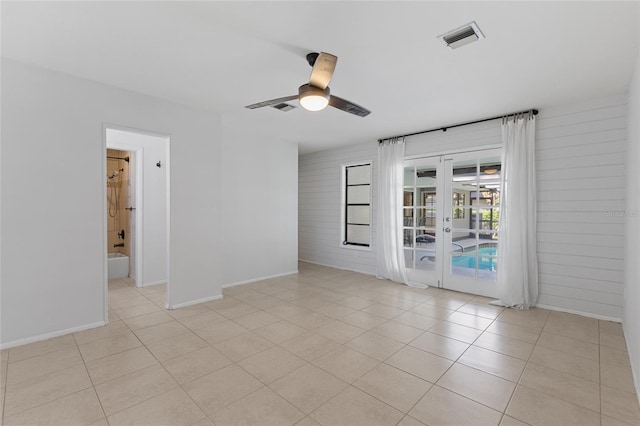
450	220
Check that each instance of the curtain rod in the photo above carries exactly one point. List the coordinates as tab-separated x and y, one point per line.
444	129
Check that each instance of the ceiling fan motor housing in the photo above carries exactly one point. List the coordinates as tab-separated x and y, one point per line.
313	98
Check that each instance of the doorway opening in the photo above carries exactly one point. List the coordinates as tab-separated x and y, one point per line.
120	221
450	220
136	214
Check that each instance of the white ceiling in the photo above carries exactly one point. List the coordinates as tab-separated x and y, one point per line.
221	56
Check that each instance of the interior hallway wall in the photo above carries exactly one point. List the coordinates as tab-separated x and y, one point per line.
260	209
631	320
52	215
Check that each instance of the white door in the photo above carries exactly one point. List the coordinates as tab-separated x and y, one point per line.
451	221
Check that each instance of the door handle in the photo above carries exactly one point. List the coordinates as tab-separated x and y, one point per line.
447	230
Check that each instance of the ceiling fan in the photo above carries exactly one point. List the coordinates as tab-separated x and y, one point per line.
315	95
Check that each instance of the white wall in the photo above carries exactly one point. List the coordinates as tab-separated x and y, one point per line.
51	219
320	201
581	190
580	151
152	182
631	320
260	209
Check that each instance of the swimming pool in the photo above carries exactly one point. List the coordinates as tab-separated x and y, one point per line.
485	255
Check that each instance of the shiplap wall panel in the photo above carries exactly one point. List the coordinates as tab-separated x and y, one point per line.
319	187
580	153
580	156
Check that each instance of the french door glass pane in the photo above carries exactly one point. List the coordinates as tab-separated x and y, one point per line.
407	216
408	258
408	237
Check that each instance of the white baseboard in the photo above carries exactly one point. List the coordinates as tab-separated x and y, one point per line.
584	314
253	280
46	336
194	302
337	267
150	283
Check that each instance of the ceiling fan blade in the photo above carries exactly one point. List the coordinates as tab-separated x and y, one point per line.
272	102
348	106
323	70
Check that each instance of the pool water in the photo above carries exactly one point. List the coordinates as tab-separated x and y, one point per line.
485	256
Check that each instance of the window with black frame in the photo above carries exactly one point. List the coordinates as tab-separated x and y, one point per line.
357	224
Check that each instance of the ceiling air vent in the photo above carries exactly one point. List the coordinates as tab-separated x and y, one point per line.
461	36
284	107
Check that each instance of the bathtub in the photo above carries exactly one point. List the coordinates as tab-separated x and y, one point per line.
117	265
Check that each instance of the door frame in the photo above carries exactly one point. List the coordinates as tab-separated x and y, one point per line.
139	179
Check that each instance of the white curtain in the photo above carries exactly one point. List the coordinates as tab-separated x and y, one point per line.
517	275
390	256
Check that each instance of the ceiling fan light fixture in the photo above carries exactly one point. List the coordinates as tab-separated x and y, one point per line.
313	98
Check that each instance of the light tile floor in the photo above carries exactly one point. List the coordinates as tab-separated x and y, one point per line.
325	347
